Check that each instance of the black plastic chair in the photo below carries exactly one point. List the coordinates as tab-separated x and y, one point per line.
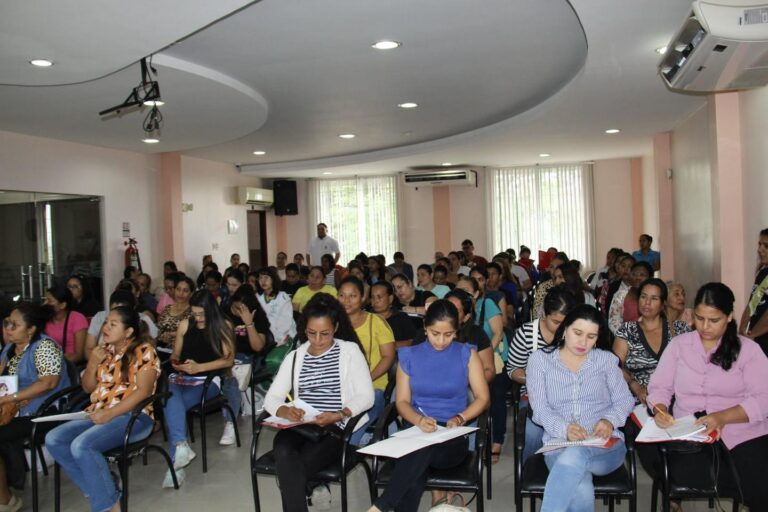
204	408
531	477
122	455
673	491
71	399
465	477
336	473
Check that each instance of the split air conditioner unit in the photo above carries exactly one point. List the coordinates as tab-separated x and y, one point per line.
722	45
431	178
255	196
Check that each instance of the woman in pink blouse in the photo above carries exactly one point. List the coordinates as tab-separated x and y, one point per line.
714	370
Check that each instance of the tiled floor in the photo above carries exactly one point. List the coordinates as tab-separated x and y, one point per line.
227	485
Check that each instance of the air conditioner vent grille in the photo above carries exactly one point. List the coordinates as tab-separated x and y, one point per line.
756	16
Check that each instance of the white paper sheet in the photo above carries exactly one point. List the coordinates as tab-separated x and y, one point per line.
62	417
310	413
684	429
412	439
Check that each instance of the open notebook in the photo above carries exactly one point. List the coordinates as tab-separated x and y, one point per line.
684	429
310	413
592	442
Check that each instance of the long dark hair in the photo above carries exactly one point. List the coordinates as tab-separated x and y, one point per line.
720	297
467	304
217	331
572	280
63	295
324	305
590	314
560	299
130	319
277	284
663	291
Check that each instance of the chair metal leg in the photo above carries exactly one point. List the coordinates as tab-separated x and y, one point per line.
343	490
41	459
611	505
371	484
123	464
203	442
533	503
191	428
33	477
654	496
168	461
255	486
56	487
633	503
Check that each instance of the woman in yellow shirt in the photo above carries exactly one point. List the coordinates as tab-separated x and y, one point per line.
377	340
315	284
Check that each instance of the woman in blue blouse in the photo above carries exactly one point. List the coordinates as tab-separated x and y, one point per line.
427	402
577	393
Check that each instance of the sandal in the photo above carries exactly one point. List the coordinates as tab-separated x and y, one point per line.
496	453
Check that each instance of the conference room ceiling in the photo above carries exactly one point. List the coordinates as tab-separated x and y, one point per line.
497	82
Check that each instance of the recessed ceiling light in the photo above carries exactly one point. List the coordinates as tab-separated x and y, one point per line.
259	153
347	135
386	45
544	155
154	103
150	140
661	50
41	63
446	164
408	104
612	130
327	172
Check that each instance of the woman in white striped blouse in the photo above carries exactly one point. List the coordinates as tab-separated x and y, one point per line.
576	393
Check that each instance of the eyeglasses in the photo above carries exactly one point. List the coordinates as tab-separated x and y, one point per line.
73	286
9	324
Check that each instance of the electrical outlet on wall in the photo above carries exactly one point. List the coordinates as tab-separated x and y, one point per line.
214	247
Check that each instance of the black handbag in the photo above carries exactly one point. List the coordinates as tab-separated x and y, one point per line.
313	433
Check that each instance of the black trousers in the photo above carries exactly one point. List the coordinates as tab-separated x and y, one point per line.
499	387
750	461
297	459
12	438
409	477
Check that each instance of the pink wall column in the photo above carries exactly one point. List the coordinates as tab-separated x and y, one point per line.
728	194
662	163
636	175
169	198
441	206
281	235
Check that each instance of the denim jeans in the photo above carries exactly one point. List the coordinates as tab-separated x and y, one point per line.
569	485
182	399
533	433
231	390
78	447
373	415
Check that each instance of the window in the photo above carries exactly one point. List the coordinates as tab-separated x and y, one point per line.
543	207
361	213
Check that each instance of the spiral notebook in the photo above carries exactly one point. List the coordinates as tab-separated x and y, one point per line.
592	442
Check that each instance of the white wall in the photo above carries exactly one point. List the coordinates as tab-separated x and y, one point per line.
468	214
127	181
651	201
693	204
417	229
612	192
211	189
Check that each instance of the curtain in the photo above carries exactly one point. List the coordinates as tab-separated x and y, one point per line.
542	207
361	213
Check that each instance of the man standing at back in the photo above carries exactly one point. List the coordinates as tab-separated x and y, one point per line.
646	254
322	244
469	250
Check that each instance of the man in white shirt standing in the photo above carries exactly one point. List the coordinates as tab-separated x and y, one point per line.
322	244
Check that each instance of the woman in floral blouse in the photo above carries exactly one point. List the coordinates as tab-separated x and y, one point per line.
119	375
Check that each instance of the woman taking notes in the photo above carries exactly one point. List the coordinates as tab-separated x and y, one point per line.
426	401
714	370
578	392
332	376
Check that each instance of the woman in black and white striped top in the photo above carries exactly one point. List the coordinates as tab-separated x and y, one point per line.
528	338
332	376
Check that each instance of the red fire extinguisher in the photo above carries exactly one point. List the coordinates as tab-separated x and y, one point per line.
132	258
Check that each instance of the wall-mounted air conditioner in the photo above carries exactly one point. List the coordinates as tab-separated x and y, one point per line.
430	178
255	196
722	45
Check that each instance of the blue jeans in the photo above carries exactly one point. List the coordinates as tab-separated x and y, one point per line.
182	399
569	485
533	433
373	415
230	389
78	447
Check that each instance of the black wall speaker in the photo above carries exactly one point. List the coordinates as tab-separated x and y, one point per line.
285	197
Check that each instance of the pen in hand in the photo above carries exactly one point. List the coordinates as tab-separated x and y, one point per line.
426	423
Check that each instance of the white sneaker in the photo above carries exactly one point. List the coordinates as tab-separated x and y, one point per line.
168	480
184	455
228	437
321	497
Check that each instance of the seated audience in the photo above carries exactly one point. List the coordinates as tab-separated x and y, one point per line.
38	363
640	272
175	313
213	284
277	306
315	284
330	374
203	345
169	267
578	392
471	333
332	276
547	282
512	272
293	279
66	327
355	268
280	262
440	275
377	270
425	283
119	376
169	285
480	274
469	252
754	321
530	337
82	297
414	302
456	268
400	266
234	263
605	273
377	340
500	279
427	402
676	308
617	291
722	374
146	299
645	254
119	298
382	303
207	260
567	275
232	282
